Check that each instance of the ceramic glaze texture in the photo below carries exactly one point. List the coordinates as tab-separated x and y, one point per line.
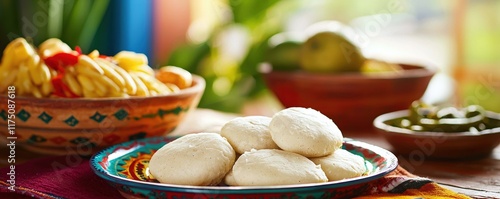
351	100
54	125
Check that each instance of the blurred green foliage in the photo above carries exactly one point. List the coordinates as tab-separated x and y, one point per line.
481	31
482	93
481	52
73	21
262	20
241	76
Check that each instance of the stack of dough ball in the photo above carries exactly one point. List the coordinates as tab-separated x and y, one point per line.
247	133
295	146
305	131
274	167
341	165
194	159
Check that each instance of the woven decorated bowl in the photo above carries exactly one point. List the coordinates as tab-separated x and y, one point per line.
65	126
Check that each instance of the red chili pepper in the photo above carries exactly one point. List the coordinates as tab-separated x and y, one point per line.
78	50
57	84
59	62
61	89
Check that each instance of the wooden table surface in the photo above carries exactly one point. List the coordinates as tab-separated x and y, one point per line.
478	178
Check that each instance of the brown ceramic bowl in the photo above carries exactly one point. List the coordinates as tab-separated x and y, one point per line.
351	100
63	126
439	145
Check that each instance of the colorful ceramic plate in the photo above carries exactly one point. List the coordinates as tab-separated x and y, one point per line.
125	166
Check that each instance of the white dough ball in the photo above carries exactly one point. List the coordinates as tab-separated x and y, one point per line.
193	159
305	131
341	164
229	179
250	132
275	167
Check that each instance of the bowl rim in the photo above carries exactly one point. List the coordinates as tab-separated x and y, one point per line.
378	123
197	87
266	69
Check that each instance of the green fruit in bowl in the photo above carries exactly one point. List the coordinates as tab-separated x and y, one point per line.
330	52
284	56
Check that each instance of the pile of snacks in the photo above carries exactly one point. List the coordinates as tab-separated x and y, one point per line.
56	70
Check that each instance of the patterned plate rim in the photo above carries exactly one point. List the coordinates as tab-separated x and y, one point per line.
391	162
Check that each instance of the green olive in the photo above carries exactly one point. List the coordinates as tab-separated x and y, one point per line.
446	119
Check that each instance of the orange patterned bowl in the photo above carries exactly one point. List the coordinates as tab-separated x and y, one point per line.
66	126
351	100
